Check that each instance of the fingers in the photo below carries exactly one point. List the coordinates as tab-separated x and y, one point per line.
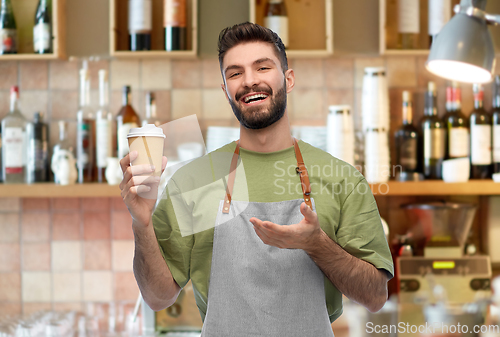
125	161
133	171
163	163
307	212
139	185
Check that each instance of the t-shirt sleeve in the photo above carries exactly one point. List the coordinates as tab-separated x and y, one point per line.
175	248
360	231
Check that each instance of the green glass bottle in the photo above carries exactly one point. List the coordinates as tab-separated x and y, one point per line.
8	29
42	30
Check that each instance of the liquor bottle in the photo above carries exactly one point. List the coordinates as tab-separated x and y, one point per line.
104	121
439	15
175	25
407	138
433	136
14	142
38	152
85	132
480	137
496	125
151	110
408	24
457	127
126	119
8	30
42	31
140	24
63	144
276	19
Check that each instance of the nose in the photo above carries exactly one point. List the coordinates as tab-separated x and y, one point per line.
250	79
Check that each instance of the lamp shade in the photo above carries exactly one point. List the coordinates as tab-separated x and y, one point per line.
463	51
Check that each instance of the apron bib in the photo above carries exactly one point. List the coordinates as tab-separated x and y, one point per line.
260	290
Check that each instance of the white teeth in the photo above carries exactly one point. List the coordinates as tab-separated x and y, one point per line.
248	98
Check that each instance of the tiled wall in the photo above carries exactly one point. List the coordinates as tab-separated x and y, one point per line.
62	253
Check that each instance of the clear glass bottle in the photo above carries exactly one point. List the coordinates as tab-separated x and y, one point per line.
407	138
151	117
439	15
480	137
8	28
63	144
14	142
85	132
104	122
433	133
126	119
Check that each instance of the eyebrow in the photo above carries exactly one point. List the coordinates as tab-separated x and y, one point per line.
237	66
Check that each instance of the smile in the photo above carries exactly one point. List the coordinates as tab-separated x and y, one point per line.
254	98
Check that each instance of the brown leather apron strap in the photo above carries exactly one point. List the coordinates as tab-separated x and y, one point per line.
304	176
230	182
300	169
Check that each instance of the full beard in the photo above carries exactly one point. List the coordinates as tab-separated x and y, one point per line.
255	117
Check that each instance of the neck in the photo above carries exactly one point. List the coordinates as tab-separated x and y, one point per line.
273	138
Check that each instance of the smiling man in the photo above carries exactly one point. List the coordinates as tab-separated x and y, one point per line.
276	261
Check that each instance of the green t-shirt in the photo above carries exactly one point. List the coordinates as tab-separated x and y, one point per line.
185	216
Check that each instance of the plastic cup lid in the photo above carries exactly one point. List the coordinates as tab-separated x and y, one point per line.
149	130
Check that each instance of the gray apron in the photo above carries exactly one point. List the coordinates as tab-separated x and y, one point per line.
257	289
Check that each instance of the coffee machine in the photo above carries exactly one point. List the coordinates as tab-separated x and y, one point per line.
436	270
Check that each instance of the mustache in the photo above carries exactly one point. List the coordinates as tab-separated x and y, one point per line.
244	92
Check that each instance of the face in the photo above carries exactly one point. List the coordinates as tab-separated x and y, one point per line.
255	84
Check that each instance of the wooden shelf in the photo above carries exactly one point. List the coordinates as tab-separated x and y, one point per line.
310	26
24	12
388	29
392	188
119	36
436	187
51	190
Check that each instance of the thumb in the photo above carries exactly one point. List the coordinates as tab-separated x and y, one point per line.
307	212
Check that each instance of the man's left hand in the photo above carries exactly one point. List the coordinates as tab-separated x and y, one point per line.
298	236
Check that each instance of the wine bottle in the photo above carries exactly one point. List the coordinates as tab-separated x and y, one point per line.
126	119
8	29
480	137
407	138
14	142
38	152
42	31
151	117
433	136
276	19
85	132
104	121
439	15
140	24
408	24
175	25
457	127
496	125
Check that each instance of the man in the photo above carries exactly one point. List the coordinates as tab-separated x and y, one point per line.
275	259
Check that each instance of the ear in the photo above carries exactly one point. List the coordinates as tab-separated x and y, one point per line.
225	92
290	80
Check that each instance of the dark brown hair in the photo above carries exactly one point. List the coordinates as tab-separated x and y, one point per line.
250	32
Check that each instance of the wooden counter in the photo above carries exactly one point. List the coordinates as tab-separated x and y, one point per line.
392	188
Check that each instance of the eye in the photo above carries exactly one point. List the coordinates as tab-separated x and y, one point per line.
264	68
234	75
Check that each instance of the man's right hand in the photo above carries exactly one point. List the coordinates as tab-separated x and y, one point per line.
136	182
